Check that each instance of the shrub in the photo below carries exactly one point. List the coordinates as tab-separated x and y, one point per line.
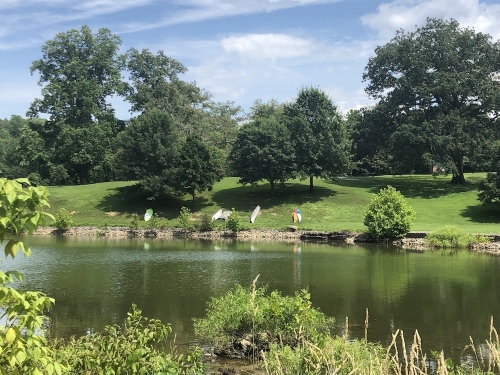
134	224
388	215
206	224
137	347
154	222
185	219
245	321
451	236
233	222
63	219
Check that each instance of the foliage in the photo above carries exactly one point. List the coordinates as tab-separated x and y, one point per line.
154	223
320	137
233	222
185	218
79	72
63	219
10	132
388	215
149	152
332	355
134	224
197	168
489	189
139	347
263	151
23	348
262	319
440	85
206	224
451	236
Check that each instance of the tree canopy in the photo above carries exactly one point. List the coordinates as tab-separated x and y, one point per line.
263	151
79	72
441	83
320	138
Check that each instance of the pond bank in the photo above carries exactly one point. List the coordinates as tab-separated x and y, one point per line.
414	241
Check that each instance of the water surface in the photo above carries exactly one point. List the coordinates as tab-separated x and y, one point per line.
446	296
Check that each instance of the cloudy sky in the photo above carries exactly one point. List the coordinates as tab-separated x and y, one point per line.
239	50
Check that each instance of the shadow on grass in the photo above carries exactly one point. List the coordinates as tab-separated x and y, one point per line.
410	186
133	199
483	213
245	198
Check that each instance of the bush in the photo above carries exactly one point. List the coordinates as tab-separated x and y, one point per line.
63	219
452	237
185	219
138	347
154	223
233	222
489	189
245	321
206	224
388	215
134	224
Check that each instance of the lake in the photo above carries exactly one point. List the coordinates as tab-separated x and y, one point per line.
446	296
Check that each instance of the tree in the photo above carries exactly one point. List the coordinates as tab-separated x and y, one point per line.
263	151
155	83
489	189
197	169
10	132
23	348
79	72
441	82
319	135
148	150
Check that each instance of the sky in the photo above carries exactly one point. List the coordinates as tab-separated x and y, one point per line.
238	50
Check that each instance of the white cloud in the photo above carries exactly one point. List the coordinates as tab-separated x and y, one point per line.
267	46
252	66
405	14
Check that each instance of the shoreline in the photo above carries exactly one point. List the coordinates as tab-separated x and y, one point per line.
414	241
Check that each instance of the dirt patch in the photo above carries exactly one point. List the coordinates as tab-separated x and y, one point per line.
73	212
111	213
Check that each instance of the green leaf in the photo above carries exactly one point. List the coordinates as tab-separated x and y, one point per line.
11	335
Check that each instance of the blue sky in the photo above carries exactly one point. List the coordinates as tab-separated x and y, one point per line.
239	50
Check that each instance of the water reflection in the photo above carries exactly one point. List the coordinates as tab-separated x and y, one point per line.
447	297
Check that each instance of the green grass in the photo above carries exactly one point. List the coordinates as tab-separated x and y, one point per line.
334	205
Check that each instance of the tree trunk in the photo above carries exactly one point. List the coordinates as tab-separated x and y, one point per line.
458	177
272	187
311	183
193	194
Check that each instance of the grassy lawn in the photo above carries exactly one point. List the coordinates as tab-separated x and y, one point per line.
334	205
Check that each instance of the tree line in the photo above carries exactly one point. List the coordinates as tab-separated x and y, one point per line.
438	101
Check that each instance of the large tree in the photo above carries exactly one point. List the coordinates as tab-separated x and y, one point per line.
79	72
263	151
155	83
441	83
319	134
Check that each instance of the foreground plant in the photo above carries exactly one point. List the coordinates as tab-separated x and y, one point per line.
23	347
137	347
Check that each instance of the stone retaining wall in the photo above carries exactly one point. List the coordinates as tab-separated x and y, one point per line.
414	241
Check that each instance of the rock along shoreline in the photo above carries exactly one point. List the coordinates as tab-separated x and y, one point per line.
414	241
